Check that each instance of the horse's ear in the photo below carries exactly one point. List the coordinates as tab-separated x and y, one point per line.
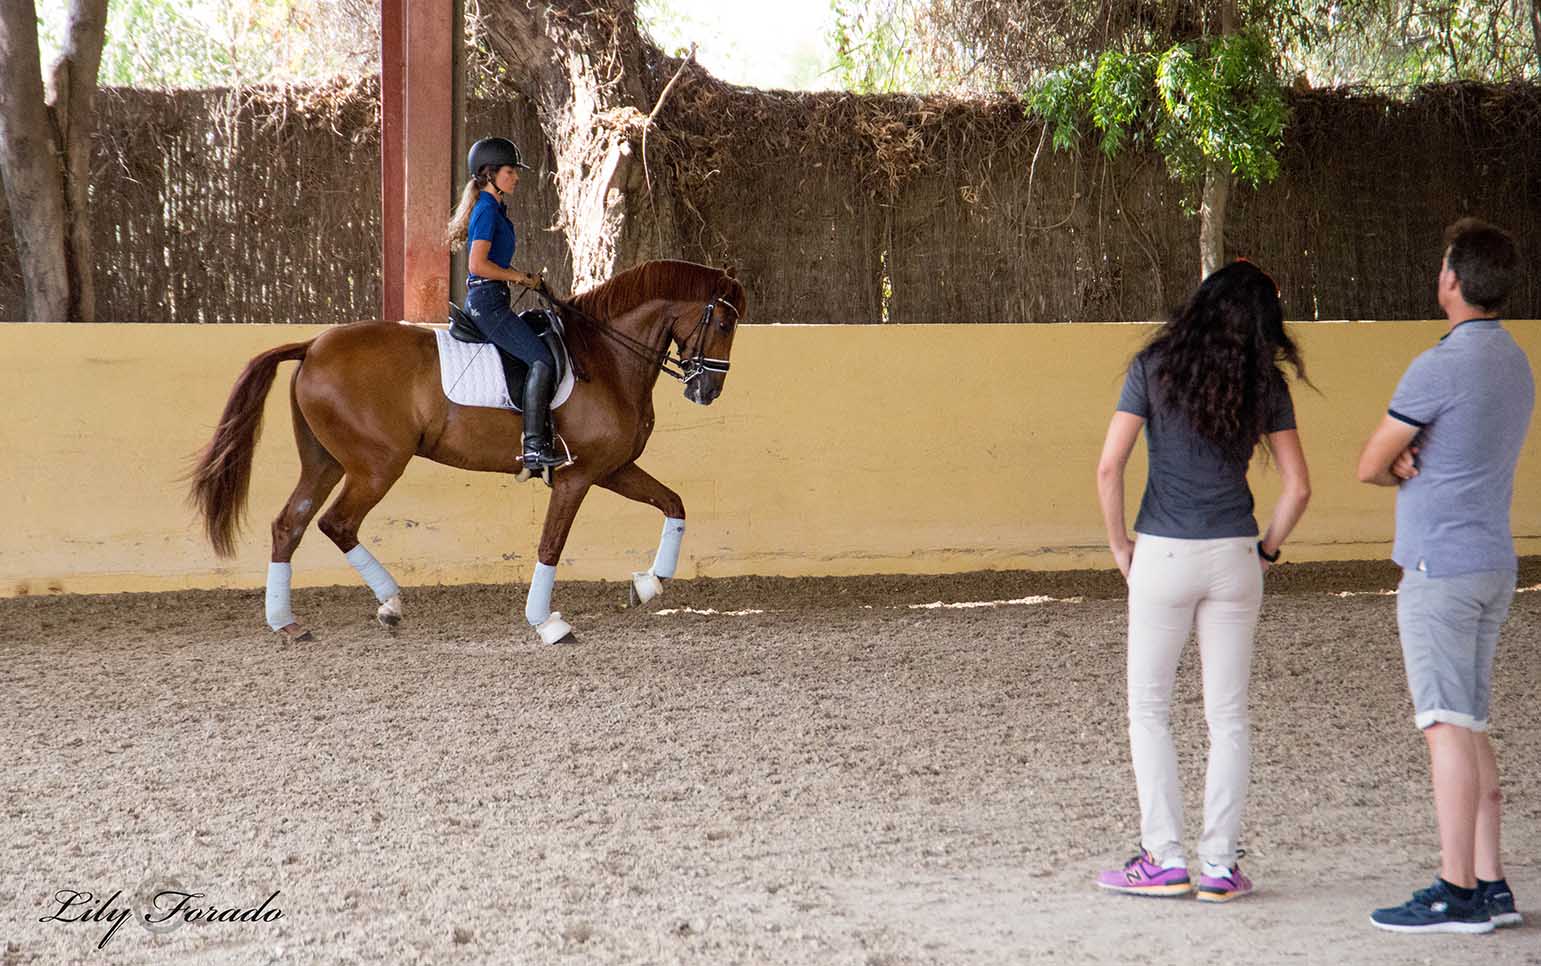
730	271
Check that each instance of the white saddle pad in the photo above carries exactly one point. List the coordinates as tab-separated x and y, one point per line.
472	374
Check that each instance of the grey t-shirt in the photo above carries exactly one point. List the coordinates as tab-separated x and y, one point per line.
1192	491
1470	396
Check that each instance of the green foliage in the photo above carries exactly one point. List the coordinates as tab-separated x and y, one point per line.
1221	104
1199	103
981	46
200	43
874	47
1120	97
1060	101
1399	44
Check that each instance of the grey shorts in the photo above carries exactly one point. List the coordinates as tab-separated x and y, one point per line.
1449	628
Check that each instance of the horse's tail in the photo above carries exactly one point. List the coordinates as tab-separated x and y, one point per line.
222	476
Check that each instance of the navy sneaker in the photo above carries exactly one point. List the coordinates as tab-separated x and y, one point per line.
1435	909
1499	902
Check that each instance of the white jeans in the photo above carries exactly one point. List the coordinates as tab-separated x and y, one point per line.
1173	585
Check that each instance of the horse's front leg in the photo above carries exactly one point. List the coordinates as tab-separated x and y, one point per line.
566	497
632	482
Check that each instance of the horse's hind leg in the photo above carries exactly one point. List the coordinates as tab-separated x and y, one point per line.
319	473
341	521
632	482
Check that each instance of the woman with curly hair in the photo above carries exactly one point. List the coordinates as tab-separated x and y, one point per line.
1206	390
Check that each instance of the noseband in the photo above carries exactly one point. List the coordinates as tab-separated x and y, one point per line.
699	363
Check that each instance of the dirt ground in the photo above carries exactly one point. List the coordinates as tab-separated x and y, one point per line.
836	777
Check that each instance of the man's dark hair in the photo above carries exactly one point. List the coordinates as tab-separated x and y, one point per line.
1484	260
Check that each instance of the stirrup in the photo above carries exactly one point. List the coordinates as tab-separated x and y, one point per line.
544	467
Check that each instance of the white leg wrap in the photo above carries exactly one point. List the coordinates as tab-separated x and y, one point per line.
668	548
537	606
553	628
646	585
279	613
373	573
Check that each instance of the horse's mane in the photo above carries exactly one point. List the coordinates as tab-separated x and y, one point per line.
664	278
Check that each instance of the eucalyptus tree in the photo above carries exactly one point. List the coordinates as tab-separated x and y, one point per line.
1201	83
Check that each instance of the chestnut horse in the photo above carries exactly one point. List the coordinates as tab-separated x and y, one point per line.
367	398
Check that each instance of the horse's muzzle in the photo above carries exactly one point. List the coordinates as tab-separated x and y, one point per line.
703	391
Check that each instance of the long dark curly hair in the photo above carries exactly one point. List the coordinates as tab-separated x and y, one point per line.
1218	359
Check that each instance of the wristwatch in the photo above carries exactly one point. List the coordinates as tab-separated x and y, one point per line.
1270	557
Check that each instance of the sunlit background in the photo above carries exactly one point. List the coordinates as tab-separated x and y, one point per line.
191	43
758	44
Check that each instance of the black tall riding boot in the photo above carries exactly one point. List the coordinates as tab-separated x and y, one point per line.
539	384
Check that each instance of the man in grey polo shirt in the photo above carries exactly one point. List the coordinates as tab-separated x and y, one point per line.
1449	442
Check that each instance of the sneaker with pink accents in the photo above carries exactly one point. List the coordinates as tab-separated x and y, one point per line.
1144	876
1220	883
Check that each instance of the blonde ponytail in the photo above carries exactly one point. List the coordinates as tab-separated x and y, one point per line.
460	221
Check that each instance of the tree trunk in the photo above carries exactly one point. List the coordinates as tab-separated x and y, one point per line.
72	106
1217	191
45	156
591	75
31	168
1229	23
1535	26
1217	184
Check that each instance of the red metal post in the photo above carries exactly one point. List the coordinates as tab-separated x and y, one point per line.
417	140
392	175
430	132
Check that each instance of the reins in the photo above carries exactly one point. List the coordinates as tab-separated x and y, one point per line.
684	368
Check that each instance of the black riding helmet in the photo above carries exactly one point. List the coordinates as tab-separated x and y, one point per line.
493	152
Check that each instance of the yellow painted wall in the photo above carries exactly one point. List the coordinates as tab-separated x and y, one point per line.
833	450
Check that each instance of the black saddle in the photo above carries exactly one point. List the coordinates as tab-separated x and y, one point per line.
547	326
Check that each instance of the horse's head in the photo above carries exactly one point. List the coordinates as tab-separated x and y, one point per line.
695	308
704	339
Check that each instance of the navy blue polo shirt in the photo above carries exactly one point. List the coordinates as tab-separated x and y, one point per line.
489	223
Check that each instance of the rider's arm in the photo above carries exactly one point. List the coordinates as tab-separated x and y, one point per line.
477	263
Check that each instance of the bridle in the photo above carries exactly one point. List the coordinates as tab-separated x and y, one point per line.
695	365
685	368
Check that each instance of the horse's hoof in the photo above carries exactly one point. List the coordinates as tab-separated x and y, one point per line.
296	636
644	587
389	614
554	630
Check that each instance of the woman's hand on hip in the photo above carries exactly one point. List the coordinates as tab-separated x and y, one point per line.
1123	555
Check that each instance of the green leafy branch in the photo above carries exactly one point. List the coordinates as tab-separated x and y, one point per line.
1199	104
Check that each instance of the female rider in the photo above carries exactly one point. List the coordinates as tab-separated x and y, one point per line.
482	219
